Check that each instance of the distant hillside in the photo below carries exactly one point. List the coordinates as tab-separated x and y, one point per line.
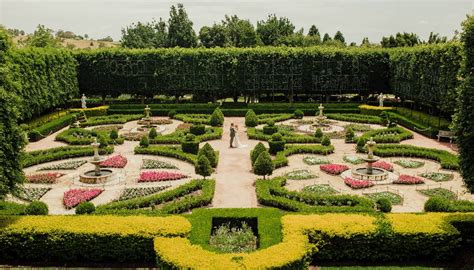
77	43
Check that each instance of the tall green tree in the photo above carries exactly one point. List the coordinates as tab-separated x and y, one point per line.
464	117
339	37
42	38
274	28
214	36
145	35
180	28
326	38
241	32
436	38
313	31
365	42
400	40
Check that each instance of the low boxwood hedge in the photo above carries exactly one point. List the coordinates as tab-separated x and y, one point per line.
281	157
167	151
357	118
384	135
289	137
43	130
110	119
80	136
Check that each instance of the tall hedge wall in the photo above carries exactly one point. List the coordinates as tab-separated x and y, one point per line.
427	74
44	79
465	115
226	72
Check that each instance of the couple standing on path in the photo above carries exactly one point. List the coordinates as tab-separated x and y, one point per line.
234	138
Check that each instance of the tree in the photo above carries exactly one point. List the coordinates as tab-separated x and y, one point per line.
400	40
203	167
210	154
241	33
274	28
215	36
15	32
339	37
257	150
298	40
313	31
65	34
217	118
365	42
152	134
145	35
464	116
326	38
180	28
263	165
42	38
435	38
108	38
86	36
144	142
251	119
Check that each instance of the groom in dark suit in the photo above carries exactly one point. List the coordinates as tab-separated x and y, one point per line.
232	134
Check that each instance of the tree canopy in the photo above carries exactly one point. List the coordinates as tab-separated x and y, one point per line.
274	28
180	28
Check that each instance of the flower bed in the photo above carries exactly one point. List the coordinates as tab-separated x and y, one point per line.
157	164
353	159
408	180
32	194
130	193
383	165
438	177
117	161
68	165
154	176
74	197
392	197
301	174
107	128
44	178
410	164
315	160
232	239
334	169
357	184
439	192
320	189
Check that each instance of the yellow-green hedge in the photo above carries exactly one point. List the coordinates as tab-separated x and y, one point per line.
95	111
374	110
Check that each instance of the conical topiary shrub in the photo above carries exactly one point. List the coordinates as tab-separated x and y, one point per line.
203	167
263	165
217	118
251	119
257	150
210	154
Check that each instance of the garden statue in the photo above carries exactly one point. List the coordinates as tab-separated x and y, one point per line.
147	112
381	98
321	108
83	101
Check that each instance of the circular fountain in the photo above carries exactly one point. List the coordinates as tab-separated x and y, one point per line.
321	122
369	172
98	175
146	122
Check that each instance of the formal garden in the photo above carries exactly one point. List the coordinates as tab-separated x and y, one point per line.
119	157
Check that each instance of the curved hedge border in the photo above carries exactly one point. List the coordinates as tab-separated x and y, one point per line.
288	137
59	153
446	159
41	131
167	151
357	118
281	160
177	137
68	136
386	135
110	119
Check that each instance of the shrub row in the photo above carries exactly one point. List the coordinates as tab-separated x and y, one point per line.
178	200
59	153
80	136
357	118
167	151
281	160
257	134
271	193
384	135
94	111
52	126
440	204
177	137
110	119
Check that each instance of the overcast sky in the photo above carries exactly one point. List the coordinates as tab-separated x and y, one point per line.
355	18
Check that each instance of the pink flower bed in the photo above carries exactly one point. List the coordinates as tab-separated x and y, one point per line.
383	165
44	178
335	169
404	179
154	176
74	197
357	184
117	161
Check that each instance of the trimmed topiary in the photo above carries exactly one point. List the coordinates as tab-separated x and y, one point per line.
350	135
210	154
384	205
203	167
257	150
263	165
325	141
270	128
114	134
172	113
318	133
217	118
197	129
103	142
251	119
85	208
276	144
437	204
144	142
152	134
190	144
298	114
36	208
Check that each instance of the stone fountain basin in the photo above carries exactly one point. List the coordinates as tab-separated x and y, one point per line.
324	129
89	177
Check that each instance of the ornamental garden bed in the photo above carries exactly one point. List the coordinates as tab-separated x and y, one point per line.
409	164
130	193
234	235
334	169
68	165
74	197
439	192
300	174
320	189
438	177
157	176
32	193
394	198
117	161
312	160
157	164
44	178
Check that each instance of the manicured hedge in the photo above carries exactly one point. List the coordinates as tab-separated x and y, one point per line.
174	201
58	153
45	79
289	137
167	151
110	119
52	126
357	118
272	193
177	137
384	135
446	159
281	160
209	74
65	239
80	136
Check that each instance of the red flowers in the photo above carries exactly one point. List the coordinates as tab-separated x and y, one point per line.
334	169
44	178
117	161
383	165
357	184
155	176
74	197
408	180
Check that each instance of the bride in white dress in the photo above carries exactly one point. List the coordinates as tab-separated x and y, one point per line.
237	142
